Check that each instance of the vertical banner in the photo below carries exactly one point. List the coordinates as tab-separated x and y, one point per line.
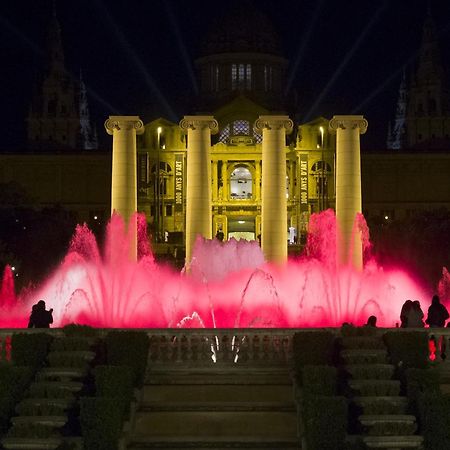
143	172
178	180
303	182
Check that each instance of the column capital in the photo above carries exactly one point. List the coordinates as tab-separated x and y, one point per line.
274	123
124	123
199	122
348	122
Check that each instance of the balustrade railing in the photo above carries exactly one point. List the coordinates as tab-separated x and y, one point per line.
259	346
221	346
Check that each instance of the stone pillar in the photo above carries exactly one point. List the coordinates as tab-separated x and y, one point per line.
225	184
123	181
198	188
257	195
273	196
348	187
214	181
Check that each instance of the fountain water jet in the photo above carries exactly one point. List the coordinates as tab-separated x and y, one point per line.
107	288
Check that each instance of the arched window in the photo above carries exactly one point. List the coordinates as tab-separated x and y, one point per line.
164	173
241	183
320	171
238	128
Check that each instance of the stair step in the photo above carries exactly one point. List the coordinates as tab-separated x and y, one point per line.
393	442
364	356
63	403
223	377
52	421
216	443
362	371
217	393
62	373
367	387
366	419
363	342
382	404
201	424
217	406
13	443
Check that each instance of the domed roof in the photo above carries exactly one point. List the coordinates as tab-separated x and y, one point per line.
244	29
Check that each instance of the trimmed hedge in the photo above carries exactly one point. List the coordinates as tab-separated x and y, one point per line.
434	419
71	344
325	421
430	406
319	380
76	330
30	349
408	349
115	382
313	348
101	423
13	382
129	348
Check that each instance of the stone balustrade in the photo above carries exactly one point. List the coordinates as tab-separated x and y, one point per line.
228	345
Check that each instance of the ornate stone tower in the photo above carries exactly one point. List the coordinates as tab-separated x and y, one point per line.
58	118
428	112
397	130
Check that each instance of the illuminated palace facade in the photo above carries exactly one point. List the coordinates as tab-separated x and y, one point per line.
241	73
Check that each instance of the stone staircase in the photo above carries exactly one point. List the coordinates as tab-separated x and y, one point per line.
216	408
43	413
382	419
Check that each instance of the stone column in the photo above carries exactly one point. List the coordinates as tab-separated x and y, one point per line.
123	181
215	179
273	196
225	184
257	195
198	188
348	187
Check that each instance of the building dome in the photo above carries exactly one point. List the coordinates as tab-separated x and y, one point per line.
243	29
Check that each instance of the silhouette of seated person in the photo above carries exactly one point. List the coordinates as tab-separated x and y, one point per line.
415	316
371	322
40	317
437	313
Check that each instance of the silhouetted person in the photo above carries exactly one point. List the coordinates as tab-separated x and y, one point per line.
415	315
407	306
437	313
371	322
220	235
40	317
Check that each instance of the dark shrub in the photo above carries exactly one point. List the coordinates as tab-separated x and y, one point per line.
319	380
325	422
313	348
128	348
408	349
30	349
101	423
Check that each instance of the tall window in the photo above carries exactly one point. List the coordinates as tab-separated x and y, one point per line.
241	183
248	77
241	76
233	77
267	78
238	128
214	77
320	171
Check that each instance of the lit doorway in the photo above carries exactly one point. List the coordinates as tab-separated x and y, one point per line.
241	227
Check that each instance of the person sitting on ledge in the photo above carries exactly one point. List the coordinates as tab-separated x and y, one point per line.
437	313
40	317
371	322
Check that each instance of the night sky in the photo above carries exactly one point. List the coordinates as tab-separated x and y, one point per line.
136	56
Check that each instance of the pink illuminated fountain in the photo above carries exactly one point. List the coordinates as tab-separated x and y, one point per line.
227	285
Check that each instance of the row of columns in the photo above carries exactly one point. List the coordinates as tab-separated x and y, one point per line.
273	195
